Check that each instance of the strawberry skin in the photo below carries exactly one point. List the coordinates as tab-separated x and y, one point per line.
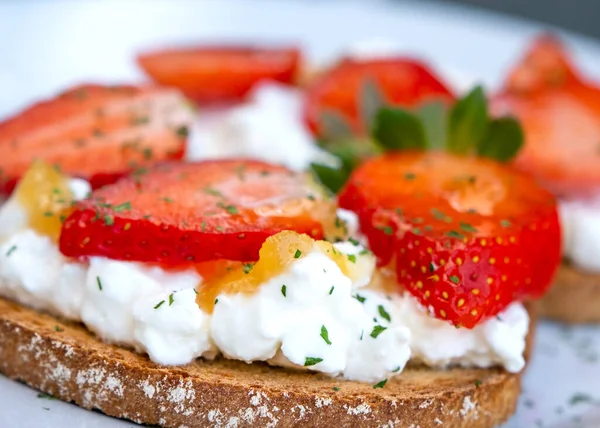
467	236
180	214
95	132
220	73
402	81
560	114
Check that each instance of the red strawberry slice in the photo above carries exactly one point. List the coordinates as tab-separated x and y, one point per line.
560	114
402	81
178	214
220	73
95	132
468	236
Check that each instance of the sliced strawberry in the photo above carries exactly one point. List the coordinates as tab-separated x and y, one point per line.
467	235
95	132
220	73
401	81
178	214
560	114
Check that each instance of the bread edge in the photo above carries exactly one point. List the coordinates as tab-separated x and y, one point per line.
63	359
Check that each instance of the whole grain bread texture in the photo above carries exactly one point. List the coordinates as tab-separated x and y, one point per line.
573	298
65	360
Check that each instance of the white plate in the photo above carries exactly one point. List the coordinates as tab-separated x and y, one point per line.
47	45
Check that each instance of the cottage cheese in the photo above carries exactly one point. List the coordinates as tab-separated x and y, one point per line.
268	127
580	221
325	321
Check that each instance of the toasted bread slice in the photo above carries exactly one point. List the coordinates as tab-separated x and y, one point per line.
574	296
65	360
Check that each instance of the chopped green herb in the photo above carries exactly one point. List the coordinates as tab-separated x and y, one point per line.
248	267
336	388
505	223
360	298
383	313
125	206
331	289
297	254
409	176
431	267
159	304
108	220
353	241
171	298
48	214
99	283
311	361
147	153
352	258
416	230
380	384
364	252
455	234
167	199
580	398
212	191
466	227
437	214
46	396
203	226
182	131
325	335
311	198
377	330
455	279
386	229
216	301
284	290
58	328
478	383
397	369
418	220
231	209
399	211
11	250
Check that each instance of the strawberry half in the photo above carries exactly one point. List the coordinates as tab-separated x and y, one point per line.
220	73
178	214
560	114
95	132
467	235
401	81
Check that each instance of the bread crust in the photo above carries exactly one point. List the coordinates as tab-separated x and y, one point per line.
573	298
63	359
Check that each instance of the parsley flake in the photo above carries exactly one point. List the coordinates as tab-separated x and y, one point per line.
336	388
380	384
455	279
505	223
99	283
11	250
466	227
478	383
108	220
159	304
360	298
384	314
248	267
311	361
171	298
125	206
455	234
352	258
212	191
331	289
284	290
409	176
325	335
354	241
58	328
377	330
297	254
386	229
396	370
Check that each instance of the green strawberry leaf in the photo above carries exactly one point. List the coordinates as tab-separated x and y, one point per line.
468	121
434	117
331	178
503	140
334	126
371	100
398	129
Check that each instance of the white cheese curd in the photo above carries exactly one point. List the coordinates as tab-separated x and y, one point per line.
112	289
313	322
268	127
35	273
171	328
580	223
436	343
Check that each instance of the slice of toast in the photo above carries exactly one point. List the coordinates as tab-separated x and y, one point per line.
65	360
573	298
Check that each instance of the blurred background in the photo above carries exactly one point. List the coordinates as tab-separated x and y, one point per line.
581	16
